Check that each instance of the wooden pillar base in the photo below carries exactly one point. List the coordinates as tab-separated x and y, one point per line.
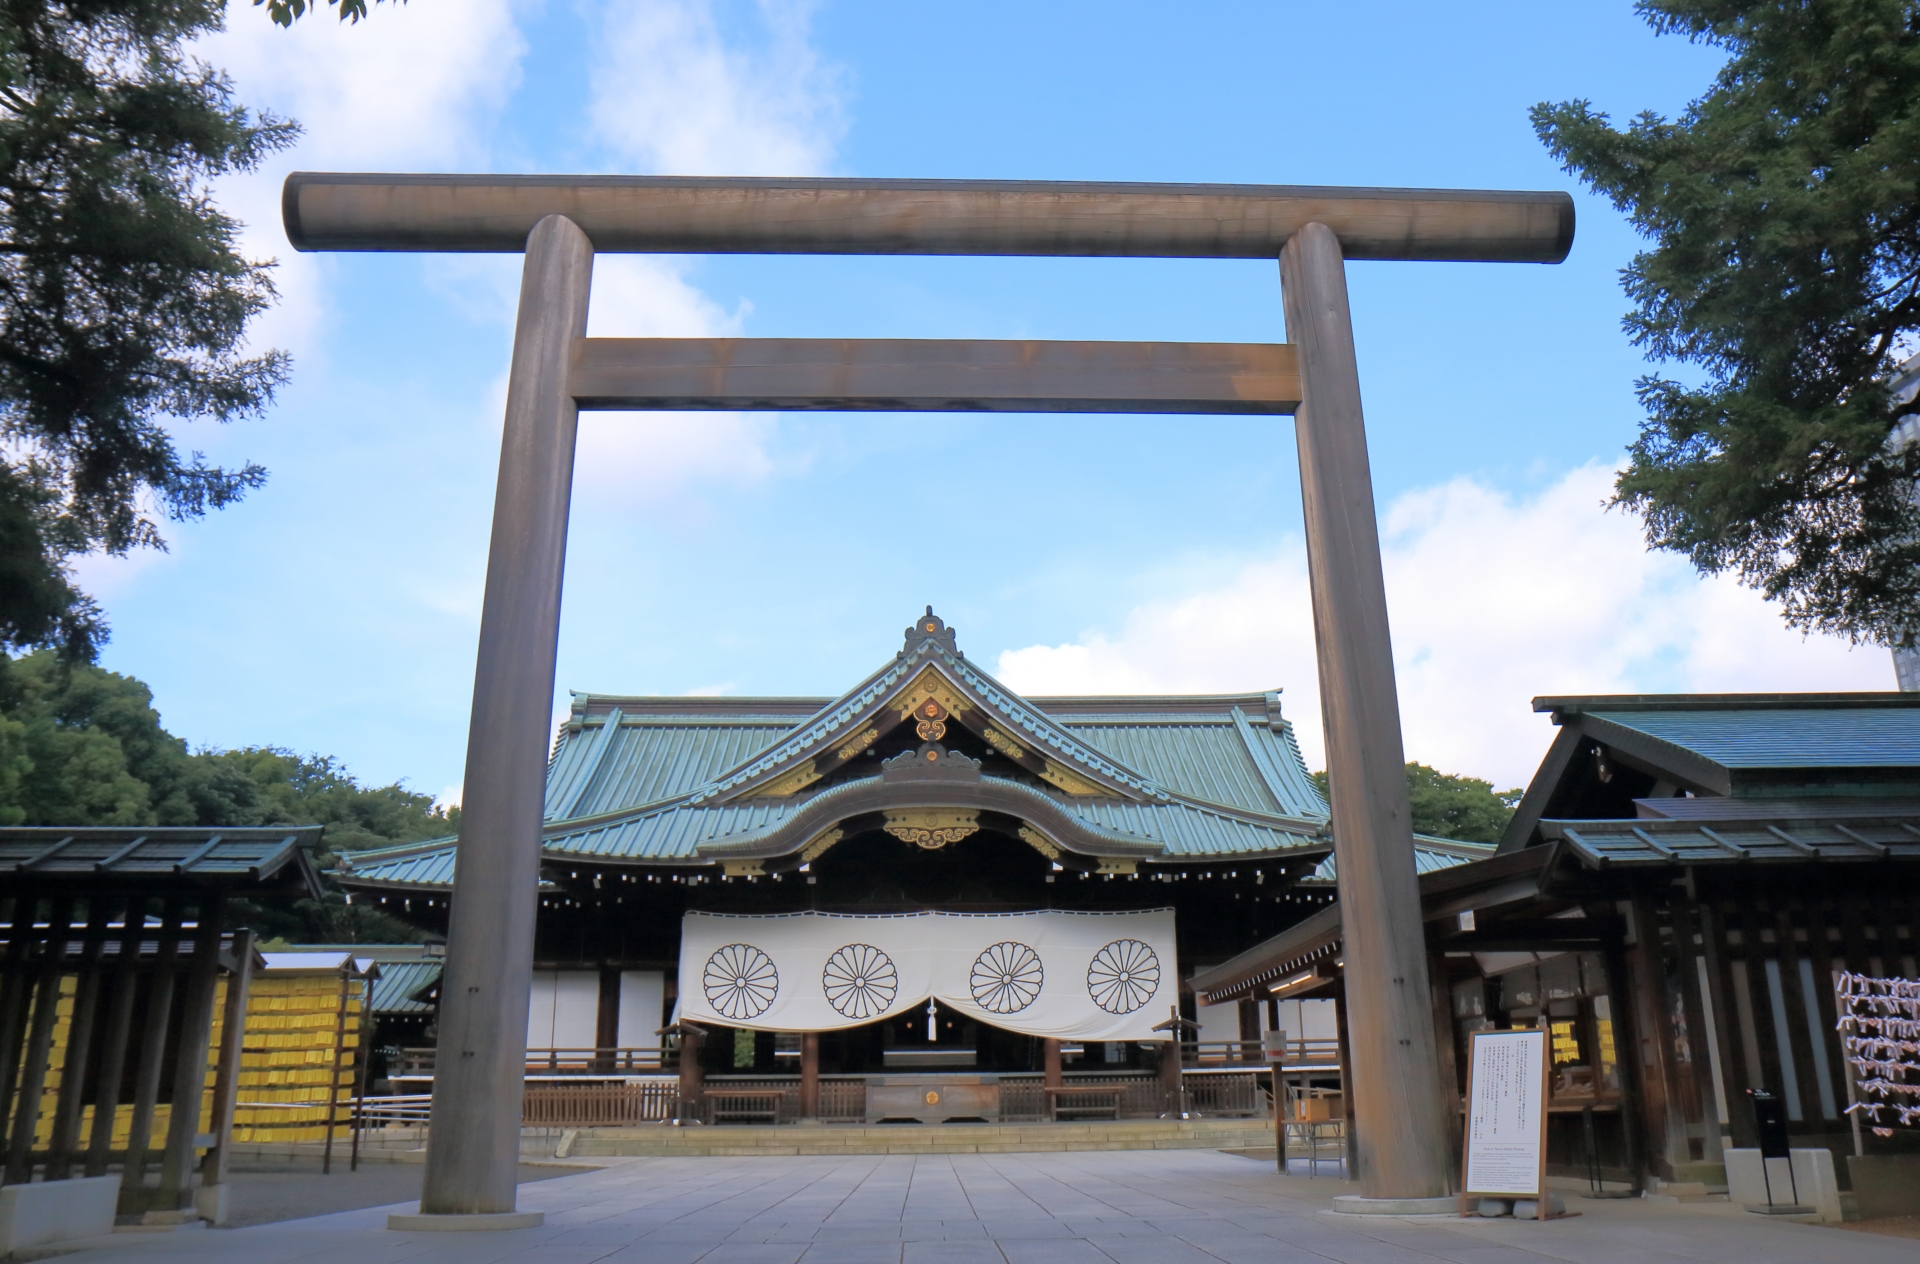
809	1075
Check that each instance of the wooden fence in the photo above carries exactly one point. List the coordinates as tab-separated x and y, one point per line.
843	1099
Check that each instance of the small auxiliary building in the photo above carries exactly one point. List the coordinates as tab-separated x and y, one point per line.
928	873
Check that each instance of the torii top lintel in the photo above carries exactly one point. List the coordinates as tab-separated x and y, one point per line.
753	215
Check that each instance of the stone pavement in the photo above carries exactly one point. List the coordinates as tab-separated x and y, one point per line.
1125	1207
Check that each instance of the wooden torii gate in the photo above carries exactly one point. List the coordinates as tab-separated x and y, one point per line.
1398	1105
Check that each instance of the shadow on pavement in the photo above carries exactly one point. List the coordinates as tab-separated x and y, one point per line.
266	1191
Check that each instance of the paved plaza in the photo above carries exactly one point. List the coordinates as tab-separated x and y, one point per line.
1127	1207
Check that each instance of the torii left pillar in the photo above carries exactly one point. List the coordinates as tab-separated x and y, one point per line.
480	1072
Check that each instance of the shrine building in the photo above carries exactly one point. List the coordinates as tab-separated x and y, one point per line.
929	872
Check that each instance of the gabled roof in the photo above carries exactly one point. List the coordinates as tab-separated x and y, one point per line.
1756	839
679	781
1739	731
400	987
1622	756
95	855
928	667
1302	958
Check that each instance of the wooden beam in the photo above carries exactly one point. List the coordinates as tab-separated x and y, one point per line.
741	215
933	375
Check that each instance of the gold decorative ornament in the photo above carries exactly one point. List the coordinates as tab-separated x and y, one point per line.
1070	782
931	828
742	868
1039	842
931	686
1118	864
815	849
792	783
1004	744
858	744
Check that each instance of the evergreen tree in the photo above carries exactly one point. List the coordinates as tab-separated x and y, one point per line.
123	301
1446	806
1782	211
83	746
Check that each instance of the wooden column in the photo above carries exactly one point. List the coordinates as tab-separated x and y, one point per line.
1627	1049
118	1021
1451	1081
809	1075
1396	1105
692	1038
480	1075
153	1053
33	1069
1646	995
1351	1130
65	1138
226	1076
1050	1052
190	1059
19	981
1249	1016
1170	1073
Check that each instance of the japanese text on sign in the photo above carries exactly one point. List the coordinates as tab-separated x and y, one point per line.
1506	1091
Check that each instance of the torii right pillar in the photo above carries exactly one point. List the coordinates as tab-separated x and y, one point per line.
1398	1107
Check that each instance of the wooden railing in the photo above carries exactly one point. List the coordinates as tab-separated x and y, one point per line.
1301	1052
622	1060
843	1099
645	1060
599	1105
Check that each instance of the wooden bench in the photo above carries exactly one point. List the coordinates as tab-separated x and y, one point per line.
746	1105
1083	1101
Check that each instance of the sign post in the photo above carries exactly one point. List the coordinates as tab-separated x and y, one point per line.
1505	1150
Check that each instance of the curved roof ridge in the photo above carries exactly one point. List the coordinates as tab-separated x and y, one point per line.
934	650
398	850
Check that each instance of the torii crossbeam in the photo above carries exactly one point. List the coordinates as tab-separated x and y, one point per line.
1399	1109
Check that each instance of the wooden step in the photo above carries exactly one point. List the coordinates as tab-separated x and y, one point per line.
1152	1134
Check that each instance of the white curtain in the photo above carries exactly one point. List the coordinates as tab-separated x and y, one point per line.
642	1002
564	1010
1072	976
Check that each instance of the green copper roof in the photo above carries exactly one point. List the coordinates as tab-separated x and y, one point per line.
1430	855
678	781
1853	738
866	701
617	760
397	989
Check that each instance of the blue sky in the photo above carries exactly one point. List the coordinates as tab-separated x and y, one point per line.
336	610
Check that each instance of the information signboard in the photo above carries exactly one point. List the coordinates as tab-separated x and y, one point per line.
1506	1133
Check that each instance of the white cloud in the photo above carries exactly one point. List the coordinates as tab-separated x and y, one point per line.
1494	600
648	296
677	95
416	87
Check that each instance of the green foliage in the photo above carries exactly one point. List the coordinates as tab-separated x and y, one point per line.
284	12
1446	806
123	302
84	746
1783	208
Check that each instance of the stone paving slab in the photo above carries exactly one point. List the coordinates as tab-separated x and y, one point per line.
1117	1207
